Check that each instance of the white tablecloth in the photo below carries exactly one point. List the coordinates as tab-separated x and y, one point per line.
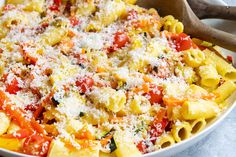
221	142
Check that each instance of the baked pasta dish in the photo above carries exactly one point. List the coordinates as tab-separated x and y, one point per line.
103	78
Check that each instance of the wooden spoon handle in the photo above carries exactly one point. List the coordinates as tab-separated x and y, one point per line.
203	9
218	37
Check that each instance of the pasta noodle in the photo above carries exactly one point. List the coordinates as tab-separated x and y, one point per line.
165	141
223	68
181	131
194	57
199	109
209	76
172	25
5	122
103	78
225	91
125	147
198	125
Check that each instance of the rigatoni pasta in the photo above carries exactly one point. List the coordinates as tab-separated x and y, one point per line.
225	90
209	76
198	125
181	131
103	78
5	122
199	109
225	69
165	140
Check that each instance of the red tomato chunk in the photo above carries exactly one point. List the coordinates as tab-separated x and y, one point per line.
85	84
182	42
120	40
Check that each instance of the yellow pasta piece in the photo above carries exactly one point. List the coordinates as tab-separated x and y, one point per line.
4	122
181	131
188	73
194	57
173	90
3	30
165	140
96	117
199	109
154	48
172	25
137	63
72	126
15	1
29	5
102	154
174	113
225	90
53	36
12	128
198	125
209	76
2	67
64	70
139	105
98	59
58	148
111	11
86	7
223	68
109	98
195	91
130	1
35	5
125	145
13	144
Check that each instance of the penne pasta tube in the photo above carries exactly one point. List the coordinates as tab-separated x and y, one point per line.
58	148
199	109
125	145
4	122
181	131
165	140
225	69
107	15
109	98
130	1
198	125
13	127
13	144
225	90
209	76
53	36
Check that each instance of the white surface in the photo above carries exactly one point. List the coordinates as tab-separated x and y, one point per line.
222	141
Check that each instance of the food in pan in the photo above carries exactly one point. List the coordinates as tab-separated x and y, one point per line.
103	78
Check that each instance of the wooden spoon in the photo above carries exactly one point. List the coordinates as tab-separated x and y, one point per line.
204	9
181	10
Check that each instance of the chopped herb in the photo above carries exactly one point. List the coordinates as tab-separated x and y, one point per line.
81	114
137	131
155	68
206	44
161	57
43	14
57	23
55	102
145	34
51	121
112	145
82	65
112	131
